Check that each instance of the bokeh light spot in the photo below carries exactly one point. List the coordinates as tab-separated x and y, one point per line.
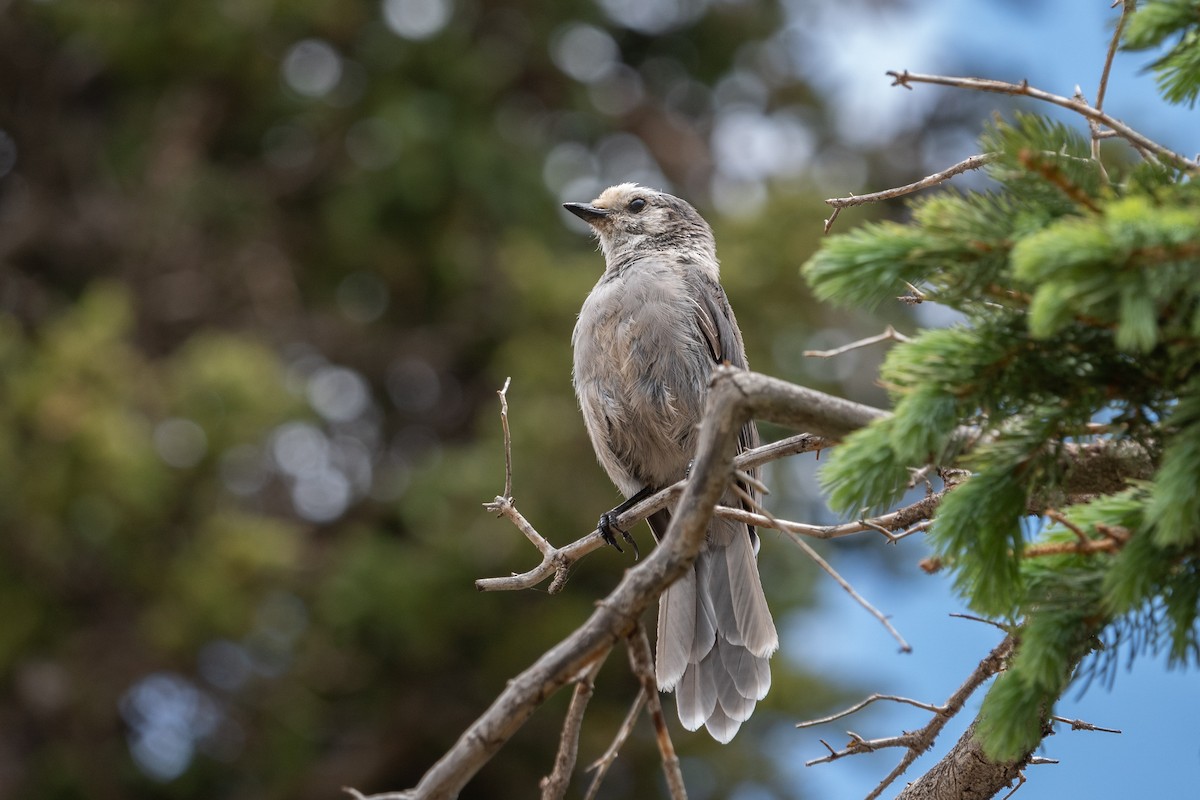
180	443
338	394
584	52
416	19
312	67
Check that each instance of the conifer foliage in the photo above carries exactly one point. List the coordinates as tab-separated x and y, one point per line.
1079	281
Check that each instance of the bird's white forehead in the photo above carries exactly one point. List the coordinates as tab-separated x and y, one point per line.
616	195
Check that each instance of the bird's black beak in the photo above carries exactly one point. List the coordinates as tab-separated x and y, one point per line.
586	212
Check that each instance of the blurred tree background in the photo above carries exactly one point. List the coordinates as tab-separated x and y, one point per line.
263	265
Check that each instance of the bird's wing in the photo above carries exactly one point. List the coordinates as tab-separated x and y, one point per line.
714	317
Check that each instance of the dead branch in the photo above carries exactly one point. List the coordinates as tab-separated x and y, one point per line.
860	705
889	334
967	164
906	79
642	662
1080	725
508	472
734	397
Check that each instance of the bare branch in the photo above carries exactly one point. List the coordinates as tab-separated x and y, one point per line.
906	79
642	662
862	601
734	397
967	164
859	706
554	786
889	333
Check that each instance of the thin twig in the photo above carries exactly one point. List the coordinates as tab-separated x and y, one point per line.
601	765
508	470
905	647
1126	7
859	706
554	786
889	334
905	78
974	618
838	203
1080	725
642	663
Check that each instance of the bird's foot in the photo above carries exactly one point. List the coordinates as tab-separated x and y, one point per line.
608	524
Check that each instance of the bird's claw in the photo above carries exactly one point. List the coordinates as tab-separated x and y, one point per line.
608	524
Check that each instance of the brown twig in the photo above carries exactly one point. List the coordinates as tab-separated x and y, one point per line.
838	203
906	79
508	470
642	663
889	333
554	786
1126	7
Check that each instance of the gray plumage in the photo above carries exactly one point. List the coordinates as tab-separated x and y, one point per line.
647	339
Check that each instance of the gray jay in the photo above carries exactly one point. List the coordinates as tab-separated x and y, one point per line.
647	339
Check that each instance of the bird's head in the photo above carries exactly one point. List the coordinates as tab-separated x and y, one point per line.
632	221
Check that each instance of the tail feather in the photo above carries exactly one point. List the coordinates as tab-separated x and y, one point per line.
676	631
696	697
715	635
730	698
752	618
721	726
751	673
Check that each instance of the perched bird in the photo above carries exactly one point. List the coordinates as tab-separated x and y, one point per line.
647	339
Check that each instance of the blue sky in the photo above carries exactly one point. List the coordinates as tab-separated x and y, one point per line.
1056	46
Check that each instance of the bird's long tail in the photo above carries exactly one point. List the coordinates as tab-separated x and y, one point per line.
715	634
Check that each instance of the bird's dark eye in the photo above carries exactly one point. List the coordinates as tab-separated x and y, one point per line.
636	205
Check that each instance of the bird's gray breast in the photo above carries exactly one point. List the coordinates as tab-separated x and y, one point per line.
641	370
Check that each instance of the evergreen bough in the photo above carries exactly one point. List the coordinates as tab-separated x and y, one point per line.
1079	285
